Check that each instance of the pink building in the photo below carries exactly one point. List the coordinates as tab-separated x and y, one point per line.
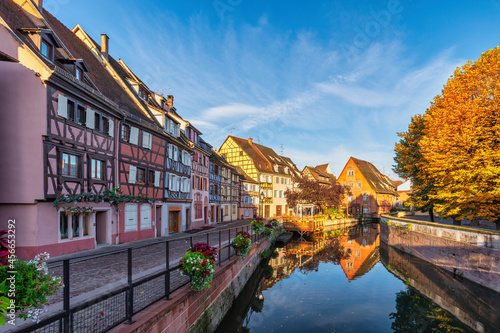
58	144
199	178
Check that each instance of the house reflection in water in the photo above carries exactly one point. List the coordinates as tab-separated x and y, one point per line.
354	249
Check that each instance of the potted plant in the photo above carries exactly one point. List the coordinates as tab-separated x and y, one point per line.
199	264
242	243
275	224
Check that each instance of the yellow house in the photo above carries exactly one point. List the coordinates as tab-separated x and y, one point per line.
263	165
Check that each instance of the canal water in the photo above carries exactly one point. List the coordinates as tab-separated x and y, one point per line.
345	280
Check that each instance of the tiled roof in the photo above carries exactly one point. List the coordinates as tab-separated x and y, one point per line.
103	80
251	150
273	158
322	167
378	182
17	19
295	172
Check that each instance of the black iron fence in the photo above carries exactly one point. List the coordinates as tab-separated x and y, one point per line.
105	290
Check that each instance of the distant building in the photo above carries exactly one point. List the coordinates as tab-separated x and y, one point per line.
249	196
404	190
371	191
263	165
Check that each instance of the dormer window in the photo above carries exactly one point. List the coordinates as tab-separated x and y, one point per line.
143	94
79	74
46	49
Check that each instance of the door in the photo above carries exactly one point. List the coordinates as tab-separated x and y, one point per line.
100	227
278	210
188	219
268	211
205	211
222	214
158	220
218	215
173	221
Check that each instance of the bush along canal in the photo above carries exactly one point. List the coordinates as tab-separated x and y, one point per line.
345	280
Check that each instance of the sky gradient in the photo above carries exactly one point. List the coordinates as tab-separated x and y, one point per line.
318	81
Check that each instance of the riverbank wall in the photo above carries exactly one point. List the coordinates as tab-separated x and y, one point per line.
466	252
189	311
471	303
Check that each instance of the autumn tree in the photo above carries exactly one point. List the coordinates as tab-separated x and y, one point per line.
311	191
411	164
461	142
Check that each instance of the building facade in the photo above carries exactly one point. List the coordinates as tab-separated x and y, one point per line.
371	191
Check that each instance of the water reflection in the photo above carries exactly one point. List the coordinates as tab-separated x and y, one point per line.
334	282
473	304
354	249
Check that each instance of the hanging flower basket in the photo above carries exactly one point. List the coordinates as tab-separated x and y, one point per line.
242	243
199	264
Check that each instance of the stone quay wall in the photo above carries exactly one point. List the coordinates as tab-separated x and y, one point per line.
470	253
471	303
189	311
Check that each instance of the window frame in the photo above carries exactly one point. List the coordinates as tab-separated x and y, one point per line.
140	171
125	133
91	168
78	164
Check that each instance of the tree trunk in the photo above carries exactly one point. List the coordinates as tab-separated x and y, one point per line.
431	214
457	222
497	222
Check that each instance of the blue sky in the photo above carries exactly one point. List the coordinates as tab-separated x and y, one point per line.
325	80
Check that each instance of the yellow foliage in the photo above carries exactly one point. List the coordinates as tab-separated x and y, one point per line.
461	141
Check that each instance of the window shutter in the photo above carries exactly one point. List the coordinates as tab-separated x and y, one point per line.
132	174
157	178
111	128
134	135
176	153
167	179
145	216
146	140
62	106
90	118
130	217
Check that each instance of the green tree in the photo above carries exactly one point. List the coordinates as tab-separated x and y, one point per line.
411	164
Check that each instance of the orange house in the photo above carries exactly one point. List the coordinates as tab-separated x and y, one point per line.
361	248
371	191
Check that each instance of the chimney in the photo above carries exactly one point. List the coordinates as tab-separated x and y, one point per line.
250	140
105	45
170	100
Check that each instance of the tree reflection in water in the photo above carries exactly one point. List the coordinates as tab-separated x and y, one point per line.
416	313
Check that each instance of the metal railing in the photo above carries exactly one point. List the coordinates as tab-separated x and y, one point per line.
132	291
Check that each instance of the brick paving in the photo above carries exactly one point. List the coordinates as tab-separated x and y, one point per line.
104	269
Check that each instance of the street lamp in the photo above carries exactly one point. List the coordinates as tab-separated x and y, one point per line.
262	197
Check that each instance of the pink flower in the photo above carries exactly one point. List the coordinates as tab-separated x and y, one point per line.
38	290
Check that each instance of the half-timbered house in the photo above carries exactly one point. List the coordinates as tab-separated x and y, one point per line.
262	164
214	196
141	144
158	129
249	196
67	130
